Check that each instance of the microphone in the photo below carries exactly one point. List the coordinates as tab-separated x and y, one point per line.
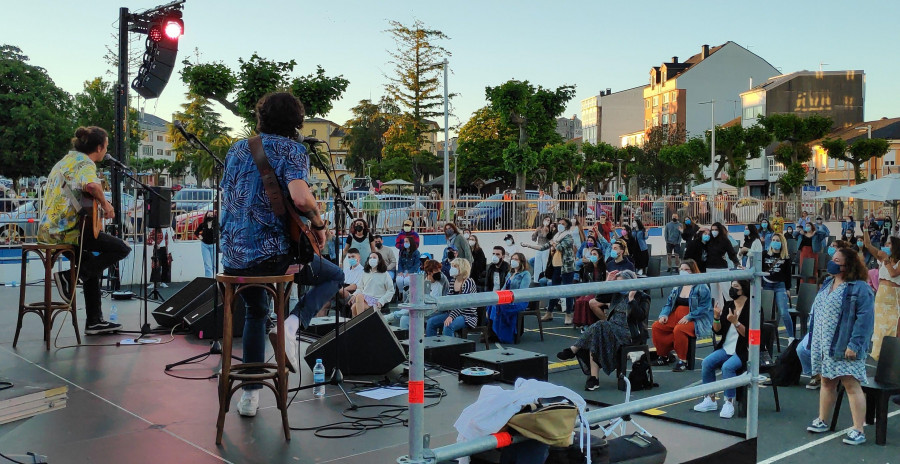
309	140
116	162
184	133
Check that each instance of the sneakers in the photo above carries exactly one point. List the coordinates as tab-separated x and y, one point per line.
249	403
163	285
854	437
814	383
566	354
765	359
568	320
819	426
708	404
63	286
102	327
592	384
727	411
291	359
680	366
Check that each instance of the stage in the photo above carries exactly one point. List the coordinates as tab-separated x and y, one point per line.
123	407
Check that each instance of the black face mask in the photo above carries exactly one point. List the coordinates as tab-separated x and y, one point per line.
451	256
436	276
378	245
734	293
358	228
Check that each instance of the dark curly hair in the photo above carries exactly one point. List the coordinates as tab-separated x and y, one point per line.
854	267
279	113
88	139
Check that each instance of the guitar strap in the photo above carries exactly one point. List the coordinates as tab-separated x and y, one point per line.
67	191
270	181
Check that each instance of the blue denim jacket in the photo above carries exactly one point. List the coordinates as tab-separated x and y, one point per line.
518	281
410	262
701	309
856	322
641	237
820	237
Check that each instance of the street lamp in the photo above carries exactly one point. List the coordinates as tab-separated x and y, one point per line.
712	153
619	182
446	201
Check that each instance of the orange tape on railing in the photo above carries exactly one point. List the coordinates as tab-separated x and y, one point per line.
754	337
416	391
504	439
505	297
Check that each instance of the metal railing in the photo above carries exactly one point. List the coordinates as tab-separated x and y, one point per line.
418	306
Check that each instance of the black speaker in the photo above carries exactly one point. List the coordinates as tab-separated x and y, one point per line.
368	347
206	324
159	210
172	311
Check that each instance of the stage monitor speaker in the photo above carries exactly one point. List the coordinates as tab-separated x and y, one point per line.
159	210
173	310
368	347
203	322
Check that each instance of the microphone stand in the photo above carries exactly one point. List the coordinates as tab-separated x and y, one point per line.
341	208
145	327
215	346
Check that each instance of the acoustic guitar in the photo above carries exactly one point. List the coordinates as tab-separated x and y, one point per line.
91	215
302	237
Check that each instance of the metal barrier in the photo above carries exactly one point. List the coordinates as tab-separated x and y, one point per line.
418	452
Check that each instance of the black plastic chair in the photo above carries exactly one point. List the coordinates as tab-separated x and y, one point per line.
807	271
770	313
483	329
534	309
878	390
801	310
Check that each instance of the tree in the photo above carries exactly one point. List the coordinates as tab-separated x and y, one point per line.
735	147
794	133
685	160
415	82
203	121
35	118
364	137
480	148
599	167
96	106
239	91
856	154
401	156
645	163
532	112
563	163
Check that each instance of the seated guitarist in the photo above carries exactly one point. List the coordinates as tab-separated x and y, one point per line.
254	239
75	177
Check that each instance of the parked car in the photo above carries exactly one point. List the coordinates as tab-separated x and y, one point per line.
495	214
186	223
20	223
189	199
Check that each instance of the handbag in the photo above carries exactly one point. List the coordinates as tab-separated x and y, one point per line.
547	420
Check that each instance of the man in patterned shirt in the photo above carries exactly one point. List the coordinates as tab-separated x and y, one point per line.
73	177
254	240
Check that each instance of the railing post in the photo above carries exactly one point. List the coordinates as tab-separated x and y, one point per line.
416	396
753	360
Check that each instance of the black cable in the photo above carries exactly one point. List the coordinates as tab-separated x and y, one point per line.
10	459
5	385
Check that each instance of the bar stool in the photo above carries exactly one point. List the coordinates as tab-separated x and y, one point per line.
274	376
48	309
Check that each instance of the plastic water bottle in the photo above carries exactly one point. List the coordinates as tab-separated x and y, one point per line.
114	314
319	377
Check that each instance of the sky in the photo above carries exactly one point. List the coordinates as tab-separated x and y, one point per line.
593	45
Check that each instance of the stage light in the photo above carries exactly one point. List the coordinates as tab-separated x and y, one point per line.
174	29
159	59
155	33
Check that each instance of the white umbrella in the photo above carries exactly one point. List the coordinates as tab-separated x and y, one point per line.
720	187
885	189
397	182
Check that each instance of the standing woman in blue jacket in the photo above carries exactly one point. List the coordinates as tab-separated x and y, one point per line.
841	323
641	257
810	245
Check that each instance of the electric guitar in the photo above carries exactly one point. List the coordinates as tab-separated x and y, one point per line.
91	215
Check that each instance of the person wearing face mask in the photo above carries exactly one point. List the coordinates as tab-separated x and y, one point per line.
696	249
619	260
505	317
887	229
631	244
841	323
593	271
359	238
479	260
539	239
407	231
810	245
789	231
510	245
389	258
582	256
672	234
751	243
376	286
848	224
765	232
353	272
820	224
410	263
887	296
603	227
777	262
436	285
563	261
496	271
687	313
449	255
457	241
731	352
717	248
802	221
641	254
450	322
622	323
689	229
329	252
208	232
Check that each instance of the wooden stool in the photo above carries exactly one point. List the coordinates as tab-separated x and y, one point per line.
48	309
274	376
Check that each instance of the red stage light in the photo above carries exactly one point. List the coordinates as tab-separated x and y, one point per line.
155	33
173	29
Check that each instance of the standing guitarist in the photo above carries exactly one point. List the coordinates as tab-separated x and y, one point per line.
72	179
254	239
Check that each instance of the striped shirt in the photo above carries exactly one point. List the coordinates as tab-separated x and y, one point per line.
470	314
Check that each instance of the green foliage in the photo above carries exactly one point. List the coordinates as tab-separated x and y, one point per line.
364	137
795	133
256	77
735	146
96	106
480	148
201	120
792	179
401	156
562	162
599	165
685	160
856	154
519	159
35	122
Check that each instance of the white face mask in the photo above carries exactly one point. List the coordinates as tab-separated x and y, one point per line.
407	228
495	259
514	264
547	222
684	272
454	271
471	243
561	228
508	242
373	262
466	235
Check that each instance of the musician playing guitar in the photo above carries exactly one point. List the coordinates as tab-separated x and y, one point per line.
74	179
255	241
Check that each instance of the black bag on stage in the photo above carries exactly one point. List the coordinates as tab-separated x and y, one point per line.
787	369
641	376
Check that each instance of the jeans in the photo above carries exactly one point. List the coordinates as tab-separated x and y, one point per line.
560	278
325	278
730	364
209	258
402	283
455	326
110	250
433	323
781	301
804	355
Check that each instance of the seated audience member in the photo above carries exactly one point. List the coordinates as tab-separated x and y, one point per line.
496	271
376	289
452	321
618	258
731	322
621	324
593	271
479	260
390	260
353	272
687	313
436	284
505	316
407	232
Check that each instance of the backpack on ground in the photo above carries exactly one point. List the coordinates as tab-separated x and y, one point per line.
641	376
787	369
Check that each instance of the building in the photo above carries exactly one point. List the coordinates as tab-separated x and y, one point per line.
839	95
677	89
155	141
333	134
622	114
835	174
568	128
590	119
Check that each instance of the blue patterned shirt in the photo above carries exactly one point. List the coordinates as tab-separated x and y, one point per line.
251	232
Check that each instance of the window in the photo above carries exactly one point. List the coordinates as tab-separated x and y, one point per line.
774	166
313	133
656	101
169	153
674	96
673	118
646	124
160	138
647	103
147	150
665	99
159	152
655	121
665	119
